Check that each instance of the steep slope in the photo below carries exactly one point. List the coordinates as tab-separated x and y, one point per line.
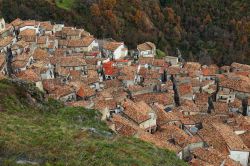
33	131
207	31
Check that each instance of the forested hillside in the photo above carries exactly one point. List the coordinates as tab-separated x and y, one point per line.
208	31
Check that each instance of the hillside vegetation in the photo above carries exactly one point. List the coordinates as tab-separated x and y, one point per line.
65	4
33	131
211	31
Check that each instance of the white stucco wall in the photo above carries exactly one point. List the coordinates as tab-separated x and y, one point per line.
147	53
148	123
2	24
240	156
39	85
119	53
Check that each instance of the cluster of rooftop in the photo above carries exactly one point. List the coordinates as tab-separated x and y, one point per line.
200	112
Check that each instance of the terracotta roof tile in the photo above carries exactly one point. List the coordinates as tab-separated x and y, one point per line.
112	46
210	156
101	104
47	25
245	138
42	39
71	32
29	75
113	83
28	32
238	83
192	66
238	66
29	23
233	141
40	54
21	60
161	98
151	138
213	138
179	136
109	69
28	35
185	89
6	41
17	22
71	61
85	91
198	162
123	126
209	70
173	70
146	46
220	107
164	117
2	60
133	111
20	44
144	61
50	84
61	91
85	42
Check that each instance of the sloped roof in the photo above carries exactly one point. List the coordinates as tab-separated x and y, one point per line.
134	111
112	46
71	61
146	46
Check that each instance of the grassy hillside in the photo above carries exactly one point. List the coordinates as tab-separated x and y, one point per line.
57	135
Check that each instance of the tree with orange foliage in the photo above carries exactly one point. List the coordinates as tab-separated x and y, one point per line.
112	18
171	14
95	10
207	20
138	17
107	4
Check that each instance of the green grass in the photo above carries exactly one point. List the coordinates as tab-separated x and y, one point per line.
57	135
160	54
65	4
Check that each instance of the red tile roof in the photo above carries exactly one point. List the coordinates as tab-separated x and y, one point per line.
6	41
185	89
146	46
112	46
29	75
213	138
85	42
40	54
213	157
85	91
123	126
109	69
71	61
133	111
233	141
161	98
164	117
